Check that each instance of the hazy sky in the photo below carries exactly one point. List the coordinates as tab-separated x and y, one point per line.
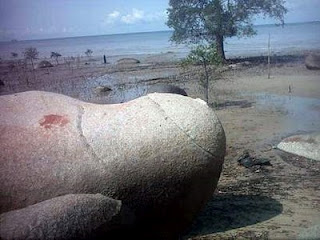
31	19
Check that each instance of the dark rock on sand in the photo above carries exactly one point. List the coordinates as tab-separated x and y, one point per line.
102	90
44	64
312	62
248	161
164	88
161	155
128	61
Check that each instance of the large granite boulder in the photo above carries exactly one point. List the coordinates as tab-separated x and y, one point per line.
312	62
161	154
306	145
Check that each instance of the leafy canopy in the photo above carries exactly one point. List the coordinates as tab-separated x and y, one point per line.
55	55
31	53
197	20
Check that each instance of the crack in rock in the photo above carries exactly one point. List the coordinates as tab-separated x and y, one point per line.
181	129
82	137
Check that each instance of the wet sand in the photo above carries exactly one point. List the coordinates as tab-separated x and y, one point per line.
263	202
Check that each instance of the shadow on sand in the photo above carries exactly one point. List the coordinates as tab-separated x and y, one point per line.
227	211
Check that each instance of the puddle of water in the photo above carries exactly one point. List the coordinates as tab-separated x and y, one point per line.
299	114
92	90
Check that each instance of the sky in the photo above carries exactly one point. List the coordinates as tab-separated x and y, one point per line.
38	19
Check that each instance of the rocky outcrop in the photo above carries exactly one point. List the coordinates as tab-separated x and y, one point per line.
165	88
307	145
161	155
312	62
44	64
128	61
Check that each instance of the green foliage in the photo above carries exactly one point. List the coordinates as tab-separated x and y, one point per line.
195	21
203	54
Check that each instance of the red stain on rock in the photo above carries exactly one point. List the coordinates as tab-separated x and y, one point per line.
48	121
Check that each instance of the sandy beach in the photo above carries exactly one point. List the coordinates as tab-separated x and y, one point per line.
280	201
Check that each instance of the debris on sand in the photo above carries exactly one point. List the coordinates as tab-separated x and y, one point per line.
246	160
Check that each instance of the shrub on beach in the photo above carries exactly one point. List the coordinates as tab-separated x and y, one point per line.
31	54
203	55
88	52
56	56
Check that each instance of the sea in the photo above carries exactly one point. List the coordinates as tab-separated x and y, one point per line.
288	39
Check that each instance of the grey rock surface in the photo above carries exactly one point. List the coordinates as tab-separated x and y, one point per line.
73	216
307	145
310	233
161	154
312	62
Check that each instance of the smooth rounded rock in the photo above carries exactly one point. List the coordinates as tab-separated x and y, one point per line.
161	154
307	145
73	216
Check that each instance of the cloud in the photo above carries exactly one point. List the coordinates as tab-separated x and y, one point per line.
135	16
112	17
114	14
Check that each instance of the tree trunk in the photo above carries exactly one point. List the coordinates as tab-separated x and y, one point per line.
206	83
32	64
220	48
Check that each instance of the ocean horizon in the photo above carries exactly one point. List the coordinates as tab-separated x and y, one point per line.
292	37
